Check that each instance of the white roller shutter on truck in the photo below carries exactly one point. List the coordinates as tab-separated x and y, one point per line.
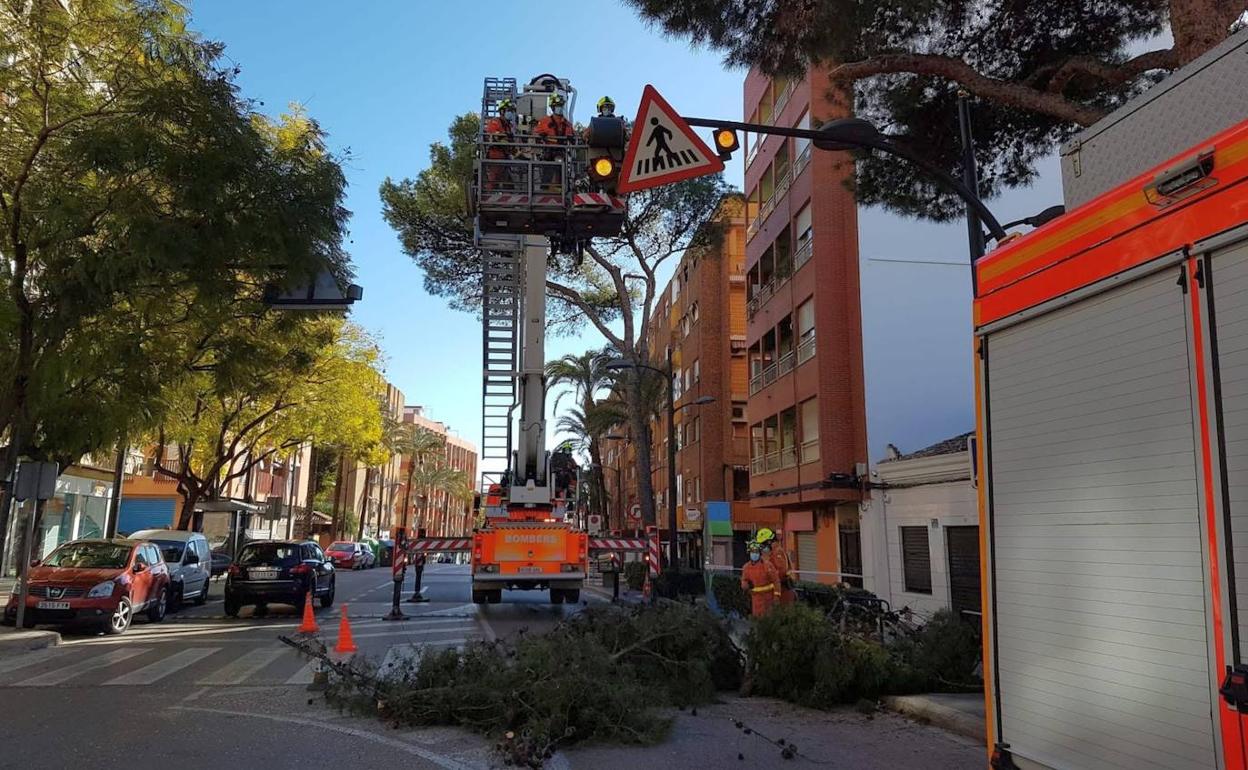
1098	572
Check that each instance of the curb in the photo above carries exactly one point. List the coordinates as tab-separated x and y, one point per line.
26	640
941	716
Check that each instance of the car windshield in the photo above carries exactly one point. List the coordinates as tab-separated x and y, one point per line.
89	556
280	554
171	550
342	547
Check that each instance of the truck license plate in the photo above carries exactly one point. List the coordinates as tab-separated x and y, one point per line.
53	605
530	570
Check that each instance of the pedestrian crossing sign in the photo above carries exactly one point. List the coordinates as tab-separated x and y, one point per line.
663	148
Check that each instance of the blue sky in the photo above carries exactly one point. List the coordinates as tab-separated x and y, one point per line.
385	78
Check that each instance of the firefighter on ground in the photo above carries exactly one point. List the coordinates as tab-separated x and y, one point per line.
500	129
775	553
759	579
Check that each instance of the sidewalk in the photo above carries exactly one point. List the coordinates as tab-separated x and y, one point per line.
14	641
961	713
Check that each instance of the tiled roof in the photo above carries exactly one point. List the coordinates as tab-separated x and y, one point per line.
947	447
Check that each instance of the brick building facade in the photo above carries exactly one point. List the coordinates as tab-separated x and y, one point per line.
806	393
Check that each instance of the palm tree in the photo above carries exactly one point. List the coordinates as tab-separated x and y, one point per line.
421	446
587	374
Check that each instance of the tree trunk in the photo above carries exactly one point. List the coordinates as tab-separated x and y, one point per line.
598	492
407	495
1198	25
640	419
186	518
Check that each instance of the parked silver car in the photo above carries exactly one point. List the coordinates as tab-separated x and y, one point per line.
189	560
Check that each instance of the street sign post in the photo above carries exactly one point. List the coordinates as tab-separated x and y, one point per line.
38	481
663	148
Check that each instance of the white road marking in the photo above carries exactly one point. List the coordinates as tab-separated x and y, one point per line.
65	673
303	675
413	632
163	668
245	667
8	664
438	759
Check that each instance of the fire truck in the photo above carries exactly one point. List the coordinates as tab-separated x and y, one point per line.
537	199
1112	403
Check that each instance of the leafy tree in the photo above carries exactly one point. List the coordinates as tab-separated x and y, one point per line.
139	195
614	289
266	388
1040	69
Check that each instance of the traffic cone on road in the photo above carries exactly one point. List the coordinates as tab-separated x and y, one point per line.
308	626
346	645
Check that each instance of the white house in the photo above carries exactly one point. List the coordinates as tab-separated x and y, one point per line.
920	530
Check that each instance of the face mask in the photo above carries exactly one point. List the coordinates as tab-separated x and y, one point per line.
509	116
607	112
556	110
755	556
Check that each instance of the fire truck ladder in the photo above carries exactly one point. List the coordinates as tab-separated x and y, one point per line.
500	320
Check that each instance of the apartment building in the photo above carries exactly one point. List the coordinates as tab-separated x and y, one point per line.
806	392
438	511
700	318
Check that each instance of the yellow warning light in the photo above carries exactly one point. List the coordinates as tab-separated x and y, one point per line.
726	142
603	168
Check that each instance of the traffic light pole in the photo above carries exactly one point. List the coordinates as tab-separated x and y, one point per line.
861	135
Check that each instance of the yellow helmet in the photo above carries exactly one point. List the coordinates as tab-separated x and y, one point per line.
764	535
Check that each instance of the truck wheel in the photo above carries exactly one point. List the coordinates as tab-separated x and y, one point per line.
495	596
572	595
478	597
556	596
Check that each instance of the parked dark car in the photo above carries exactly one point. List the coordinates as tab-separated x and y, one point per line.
278	572
221	562
385	552
97	582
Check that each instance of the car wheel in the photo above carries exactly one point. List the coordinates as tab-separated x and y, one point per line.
119	621
203	594
156	612
328	599
232	606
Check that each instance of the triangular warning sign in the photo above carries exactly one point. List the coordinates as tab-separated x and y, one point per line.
663	148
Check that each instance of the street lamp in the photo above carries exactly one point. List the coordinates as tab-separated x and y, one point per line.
618	364
858	134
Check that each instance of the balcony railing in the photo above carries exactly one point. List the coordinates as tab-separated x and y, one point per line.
788	457
802	256
810	450
806	350
773	461
800	163
758	466
785	364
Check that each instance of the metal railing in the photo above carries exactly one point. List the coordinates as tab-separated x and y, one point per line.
773	461
756	383
803	254
785	364
800	163
758	466
806	350
810	450
788	457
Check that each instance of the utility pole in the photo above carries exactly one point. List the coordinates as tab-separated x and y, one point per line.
114	502
970	178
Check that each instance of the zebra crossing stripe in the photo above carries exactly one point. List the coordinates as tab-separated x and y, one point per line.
303	675
245	667
8	664
154	672
65	673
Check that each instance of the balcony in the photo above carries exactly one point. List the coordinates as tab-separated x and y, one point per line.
780	459
806	350
803	253
810	450
785	364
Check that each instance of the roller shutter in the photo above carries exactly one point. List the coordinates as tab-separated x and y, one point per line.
1099	581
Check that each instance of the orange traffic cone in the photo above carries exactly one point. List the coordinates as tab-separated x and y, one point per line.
308	626
346	645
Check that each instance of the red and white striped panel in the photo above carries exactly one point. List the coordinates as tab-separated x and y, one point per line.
617	544
548	200
504	199
655	555
441	544
597	199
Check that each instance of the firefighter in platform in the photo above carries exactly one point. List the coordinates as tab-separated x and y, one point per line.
774	552
500	133
760	581
555	128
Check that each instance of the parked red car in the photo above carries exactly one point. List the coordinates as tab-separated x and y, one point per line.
346	555
100	582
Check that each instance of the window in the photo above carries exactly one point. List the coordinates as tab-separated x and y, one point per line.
695	430
697	489
802	226
697	370
680	485
738	410
801	145
676	391
693	311
809	421
806	331
675	287
916	560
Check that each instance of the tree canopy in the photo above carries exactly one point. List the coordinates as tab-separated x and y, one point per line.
1040	70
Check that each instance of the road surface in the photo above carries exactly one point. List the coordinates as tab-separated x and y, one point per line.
204	690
